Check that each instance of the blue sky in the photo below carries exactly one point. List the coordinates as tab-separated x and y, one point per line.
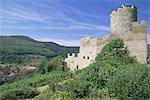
63	21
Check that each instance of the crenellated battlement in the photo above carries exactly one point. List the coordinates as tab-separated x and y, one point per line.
88	41
103	40
123	8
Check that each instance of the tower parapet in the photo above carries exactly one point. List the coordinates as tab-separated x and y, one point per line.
87	41
121	19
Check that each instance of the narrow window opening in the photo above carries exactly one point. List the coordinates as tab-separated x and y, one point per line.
83	57
88	57
77	67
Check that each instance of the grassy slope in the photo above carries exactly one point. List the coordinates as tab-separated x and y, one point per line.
19	47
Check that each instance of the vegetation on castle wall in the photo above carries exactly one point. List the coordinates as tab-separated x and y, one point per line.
114	74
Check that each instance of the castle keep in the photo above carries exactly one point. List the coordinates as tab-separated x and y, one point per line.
124	25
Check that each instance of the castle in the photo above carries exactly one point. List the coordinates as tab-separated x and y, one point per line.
124	25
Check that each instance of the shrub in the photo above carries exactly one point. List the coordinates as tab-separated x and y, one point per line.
19	94
45	96
77	88
56	63
130	82
115	51
62	95
36	81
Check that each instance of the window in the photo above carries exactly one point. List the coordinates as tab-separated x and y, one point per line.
83	57
77	67
88	57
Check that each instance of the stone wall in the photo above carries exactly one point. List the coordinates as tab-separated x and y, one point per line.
138	49
139	27
87	53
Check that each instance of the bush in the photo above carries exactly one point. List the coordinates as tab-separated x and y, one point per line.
36	81
45	96
62	95
77	88
130	82
19	94
115	51
55	64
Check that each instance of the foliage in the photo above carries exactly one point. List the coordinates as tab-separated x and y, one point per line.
148	61
37	80
92	81
61	95
77	88
45	96
41	67
130	82
55	64
115	50
21	93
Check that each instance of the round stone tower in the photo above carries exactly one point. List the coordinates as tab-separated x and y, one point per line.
121	19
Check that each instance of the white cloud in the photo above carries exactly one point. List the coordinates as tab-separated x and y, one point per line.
71	27
52	21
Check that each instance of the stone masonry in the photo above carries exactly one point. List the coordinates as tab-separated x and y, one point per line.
124	25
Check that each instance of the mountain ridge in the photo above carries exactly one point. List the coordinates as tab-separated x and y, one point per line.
22	46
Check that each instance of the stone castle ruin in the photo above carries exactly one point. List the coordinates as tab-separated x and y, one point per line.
124	25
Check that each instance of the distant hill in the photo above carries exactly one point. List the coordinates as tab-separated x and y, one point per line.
19	49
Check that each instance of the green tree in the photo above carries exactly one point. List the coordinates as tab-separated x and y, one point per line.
41	67
115	50
56	63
